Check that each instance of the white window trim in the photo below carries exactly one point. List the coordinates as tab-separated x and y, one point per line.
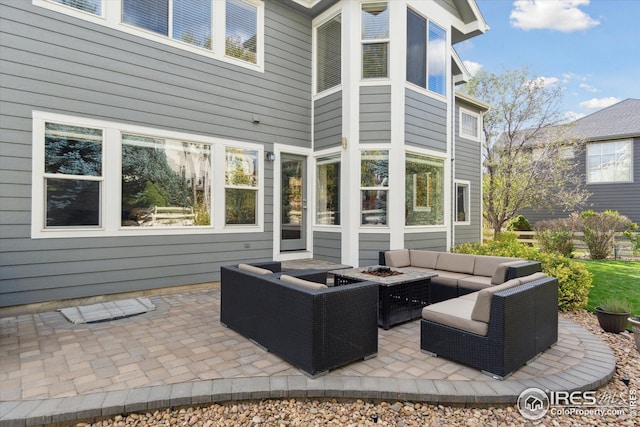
111	174
111	17
318	22
461	182
631	150
478	124
447	172
375	80
313	161
373	228
426	90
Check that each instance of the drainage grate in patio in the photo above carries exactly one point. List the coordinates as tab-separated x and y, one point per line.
107	311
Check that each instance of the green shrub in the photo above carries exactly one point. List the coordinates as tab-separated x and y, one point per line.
599	230
634	239
574	280
555	235
519	223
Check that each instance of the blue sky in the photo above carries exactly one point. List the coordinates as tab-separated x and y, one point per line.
590	47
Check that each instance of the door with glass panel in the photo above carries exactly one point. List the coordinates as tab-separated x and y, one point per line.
293	209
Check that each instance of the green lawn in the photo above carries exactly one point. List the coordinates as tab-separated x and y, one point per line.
619	279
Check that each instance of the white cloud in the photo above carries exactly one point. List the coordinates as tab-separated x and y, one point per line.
543	82
560	15
588	87
472	67
597	103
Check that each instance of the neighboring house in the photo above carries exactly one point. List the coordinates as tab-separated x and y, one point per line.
146	143
610	160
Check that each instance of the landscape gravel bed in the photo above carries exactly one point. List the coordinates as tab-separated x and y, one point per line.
292	412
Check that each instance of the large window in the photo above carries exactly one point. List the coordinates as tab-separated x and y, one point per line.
328	191
97	178
241	186
609	162
375	40
229	30
426	53
72	176
165	182
329	54
424	177
374	186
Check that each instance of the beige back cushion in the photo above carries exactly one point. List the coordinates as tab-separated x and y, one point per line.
487	265
482	310
423	259
397	258
301	282
500	274
254	269
459	263
532	277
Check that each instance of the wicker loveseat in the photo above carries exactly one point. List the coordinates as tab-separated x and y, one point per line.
496	329
294	316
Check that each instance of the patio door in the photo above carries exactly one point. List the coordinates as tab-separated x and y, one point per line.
293	207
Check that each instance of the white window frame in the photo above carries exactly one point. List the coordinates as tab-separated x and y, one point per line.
383	187
111	17
446	190
467	207
110	212
337	156
314	64
615	180
478	118
364	42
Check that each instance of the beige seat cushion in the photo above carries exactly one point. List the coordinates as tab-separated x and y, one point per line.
423	259
473	296
482	309
301	282
456	313
487	265
459	263
254	269
397	258
500	274
448	278
475	282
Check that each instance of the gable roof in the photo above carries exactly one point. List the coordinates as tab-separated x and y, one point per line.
621	120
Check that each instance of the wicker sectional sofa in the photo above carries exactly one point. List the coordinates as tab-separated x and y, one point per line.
497	329
459	274
491	313
298	318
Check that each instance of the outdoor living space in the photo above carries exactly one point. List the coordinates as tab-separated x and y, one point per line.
53	371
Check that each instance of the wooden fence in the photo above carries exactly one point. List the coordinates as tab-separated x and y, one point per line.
622	244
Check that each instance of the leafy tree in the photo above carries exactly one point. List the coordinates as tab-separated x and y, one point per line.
523	143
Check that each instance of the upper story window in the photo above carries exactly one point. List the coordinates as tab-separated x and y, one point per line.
426	53
329	54
469	124
241	40
375	40
609	162
229	30
90	6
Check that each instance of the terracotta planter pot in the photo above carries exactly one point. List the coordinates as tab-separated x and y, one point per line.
612	322
636	330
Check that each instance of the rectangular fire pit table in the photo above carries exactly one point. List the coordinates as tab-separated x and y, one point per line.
401	297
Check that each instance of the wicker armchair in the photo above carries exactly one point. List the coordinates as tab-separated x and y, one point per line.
314	330
522	324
